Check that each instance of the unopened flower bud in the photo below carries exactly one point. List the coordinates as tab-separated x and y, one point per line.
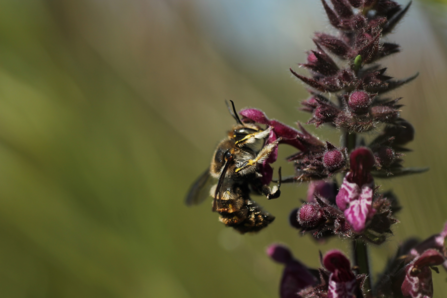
385	156
384	113
310	215
311	58
359	102
293	219
403	132
325	113
334	160
309	105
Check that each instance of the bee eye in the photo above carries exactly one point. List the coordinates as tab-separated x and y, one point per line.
228	155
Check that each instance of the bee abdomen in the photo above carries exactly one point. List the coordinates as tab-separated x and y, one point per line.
250	218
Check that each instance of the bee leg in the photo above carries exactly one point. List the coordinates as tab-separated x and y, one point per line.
262	155
252	138
275	191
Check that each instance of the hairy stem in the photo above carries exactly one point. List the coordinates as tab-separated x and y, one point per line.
359	248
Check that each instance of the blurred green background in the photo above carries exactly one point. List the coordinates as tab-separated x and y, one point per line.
110	109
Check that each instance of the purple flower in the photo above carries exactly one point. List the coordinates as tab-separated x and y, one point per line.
300	140
435	241
288	134
342	281
356	192
295	277
418	277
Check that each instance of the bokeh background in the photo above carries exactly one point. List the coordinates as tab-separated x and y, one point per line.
110	109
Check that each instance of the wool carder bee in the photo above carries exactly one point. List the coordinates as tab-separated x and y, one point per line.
237	165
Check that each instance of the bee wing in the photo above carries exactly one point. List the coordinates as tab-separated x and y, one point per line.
200	189
218	193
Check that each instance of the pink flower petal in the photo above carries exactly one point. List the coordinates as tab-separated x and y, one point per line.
362	160
267	173
255	115
284	131
418	278
288	134
341	290
359	211
336	260
348	193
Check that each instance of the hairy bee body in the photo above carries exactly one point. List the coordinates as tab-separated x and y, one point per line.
236	164
236	209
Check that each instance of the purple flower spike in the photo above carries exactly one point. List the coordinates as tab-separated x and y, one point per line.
342	281
418	277
356	192
296	276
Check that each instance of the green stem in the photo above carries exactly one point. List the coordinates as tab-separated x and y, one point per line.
359	248
360	256
349	140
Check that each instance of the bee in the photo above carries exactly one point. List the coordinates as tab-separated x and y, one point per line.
236	166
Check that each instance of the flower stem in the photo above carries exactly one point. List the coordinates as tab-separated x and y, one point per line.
349	141
359	248
361	260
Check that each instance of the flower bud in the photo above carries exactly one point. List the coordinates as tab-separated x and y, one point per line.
309	105
335	45
311	58
384	113
325	113
293	219
353	23
385	156
334	160
359	102
310	215
403	132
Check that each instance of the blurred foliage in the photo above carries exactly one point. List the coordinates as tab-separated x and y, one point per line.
108	111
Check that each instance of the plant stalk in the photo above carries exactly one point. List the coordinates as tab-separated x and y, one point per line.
361	260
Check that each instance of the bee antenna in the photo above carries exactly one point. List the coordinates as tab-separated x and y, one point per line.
233	112
280	177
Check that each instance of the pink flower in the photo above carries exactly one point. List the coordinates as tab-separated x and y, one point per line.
356	192
300	140
288	134
342	281
418	276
